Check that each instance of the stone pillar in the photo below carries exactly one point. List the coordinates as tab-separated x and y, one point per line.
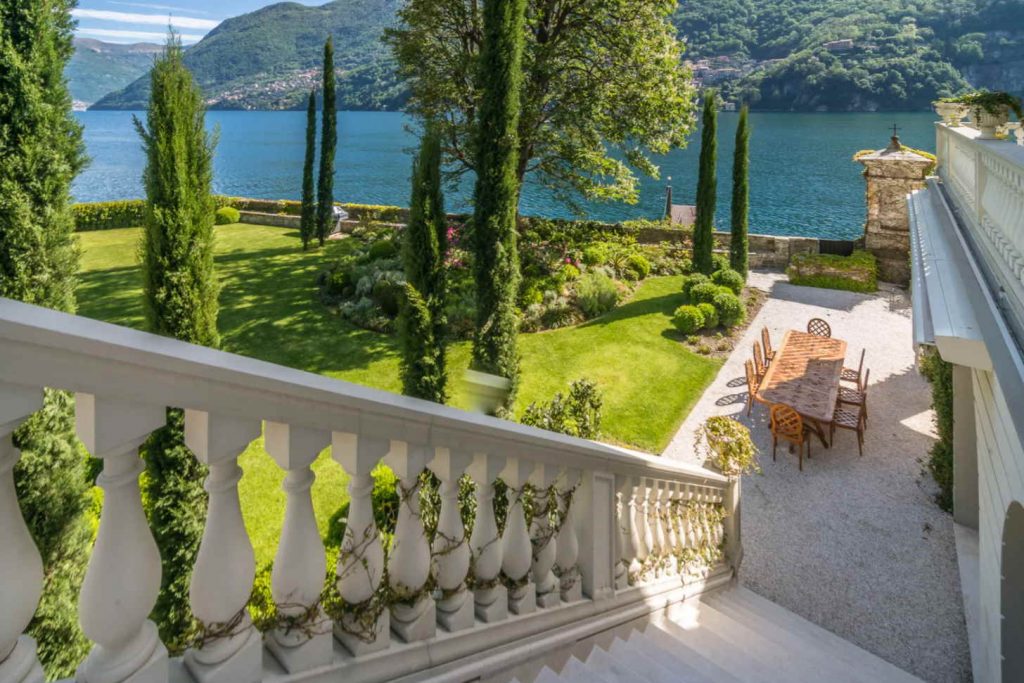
891	174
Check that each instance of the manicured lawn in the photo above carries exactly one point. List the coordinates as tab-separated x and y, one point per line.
269	311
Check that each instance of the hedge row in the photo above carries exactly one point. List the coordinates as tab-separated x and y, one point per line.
855	273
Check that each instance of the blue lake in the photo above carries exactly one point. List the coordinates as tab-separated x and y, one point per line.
802	178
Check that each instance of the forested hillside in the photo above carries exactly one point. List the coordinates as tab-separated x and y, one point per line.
834	55
98	68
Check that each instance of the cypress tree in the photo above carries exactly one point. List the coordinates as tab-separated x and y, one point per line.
707	188
41	151
496	196
424	247
328	146
738	246
307	227
180	292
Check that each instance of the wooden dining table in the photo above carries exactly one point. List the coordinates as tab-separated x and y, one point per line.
804	374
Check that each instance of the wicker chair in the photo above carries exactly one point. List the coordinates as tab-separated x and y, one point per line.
856	397
853	419
759	367
766	342
752	384
819	327
851	375
786	424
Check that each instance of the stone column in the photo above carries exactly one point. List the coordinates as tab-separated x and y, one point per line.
891	174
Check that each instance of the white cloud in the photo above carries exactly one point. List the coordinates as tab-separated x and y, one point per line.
118	36
135	18
149	5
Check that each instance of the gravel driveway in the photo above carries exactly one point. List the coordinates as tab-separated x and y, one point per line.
854	544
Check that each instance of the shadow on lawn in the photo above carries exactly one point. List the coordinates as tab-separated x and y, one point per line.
665	305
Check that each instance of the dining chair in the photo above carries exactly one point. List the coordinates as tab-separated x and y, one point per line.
759	367
858	396
819	327
752	384
851	375
786	424
853	419
766	341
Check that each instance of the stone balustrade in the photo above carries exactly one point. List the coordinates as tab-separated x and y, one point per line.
985	180
590	534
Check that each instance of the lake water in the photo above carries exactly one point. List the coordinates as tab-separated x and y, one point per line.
802	178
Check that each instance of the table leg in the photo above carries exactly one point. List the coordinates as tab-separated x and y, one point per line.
821	433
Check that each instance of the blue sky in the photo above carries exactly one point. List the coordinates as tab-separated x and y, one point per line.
135	21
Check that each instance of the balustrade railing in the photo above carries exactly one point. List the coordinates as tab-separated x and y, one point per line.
589	531
985	180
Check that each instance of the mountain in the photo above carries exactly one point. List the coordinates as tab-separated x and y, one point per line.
98	68
270	58
824	55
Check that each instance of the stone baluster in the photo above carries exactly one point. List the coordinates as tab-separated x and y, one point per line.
568	548
123	580
638	505
490	597
360	569
516	549
689	516
650	529
542	536
232	649
660	534
668	522
300	565
414	615
450	548
21	567
624	532
718	529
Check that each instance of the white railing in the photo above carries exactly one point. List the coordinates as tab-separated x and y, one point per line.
985	179
630	531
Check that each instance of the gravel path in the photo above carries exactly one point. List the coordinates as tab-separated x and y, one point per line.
856	545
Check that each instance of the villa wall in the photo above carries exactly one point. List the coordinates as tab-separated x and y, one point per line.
1000	482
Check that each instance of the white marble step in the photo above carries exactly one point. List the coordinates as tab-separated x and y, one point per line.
623	664
673	659
743	603
692	657
727	655
576	671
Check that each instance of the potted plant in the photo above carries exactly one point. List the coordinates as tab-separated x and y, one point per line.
728	446
991	110
949	110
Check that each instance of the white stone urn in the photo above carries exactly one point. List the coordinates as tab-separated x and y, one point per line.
989	123
950	112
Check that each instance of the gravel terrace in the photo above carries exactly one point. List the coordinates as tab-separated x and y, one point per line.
854	544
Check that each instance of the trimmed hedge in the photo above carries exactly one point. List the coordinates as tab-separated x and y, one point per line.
857	272
109	215
227	215
688	319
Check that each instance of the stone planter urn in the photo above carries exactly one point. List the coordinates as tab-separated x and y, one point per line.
950	112
989	123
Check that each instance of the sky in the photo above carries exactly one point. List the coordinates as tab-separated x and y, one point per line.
137	21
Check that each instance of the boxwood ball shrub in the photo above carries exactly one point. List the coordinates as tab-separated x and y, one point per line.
730	309
638	266
720	262
710	314
704	293
688	319
227	215
729	278
691	281
596	294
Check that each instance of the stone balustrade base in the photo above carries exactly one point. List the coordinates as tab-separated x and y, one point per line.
154	670
22	665
349	633
523	600
491	604
243	666
457	613
550	599
415	622
313	653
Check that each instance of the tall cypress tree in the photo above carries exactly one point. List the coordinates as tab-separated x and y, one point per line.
41	151
496	196
328	146
738	247
707	188
180	292
424	246
307	228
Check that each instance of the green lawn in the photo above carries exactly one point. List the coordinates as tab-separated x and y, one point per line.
269	310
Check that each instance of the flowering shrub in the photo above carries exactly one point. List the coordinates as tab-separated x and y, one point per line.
728	446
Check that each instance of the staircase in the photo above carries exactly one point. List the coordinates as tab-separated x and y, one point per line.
731	635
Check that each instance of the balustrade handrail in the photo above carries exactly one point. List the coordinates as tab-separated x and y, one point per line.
41	347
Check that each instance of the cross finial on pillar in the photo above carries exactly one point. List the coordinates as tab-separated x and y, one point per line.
894	141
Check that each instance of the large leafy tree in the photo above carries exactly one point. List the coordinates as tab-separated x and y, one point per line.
707	188
180	292
41	151
424	246
496	196
328	147
738	240
307	226
603	88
